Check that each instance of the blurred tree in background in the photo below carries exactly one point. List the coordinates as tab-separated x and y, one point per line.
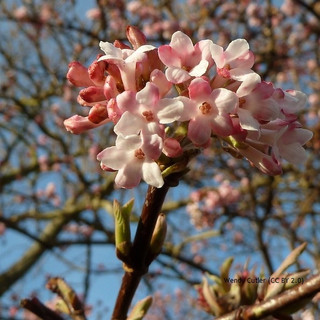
56	202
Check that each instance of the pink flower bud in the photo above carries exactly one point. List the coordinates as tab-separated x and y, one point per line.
78	124
120	45
98	113
82	102
92	94
78	75
97	72
135	37
172	148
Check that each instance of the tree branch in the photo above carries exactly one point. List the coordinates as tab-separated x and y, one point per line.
289	298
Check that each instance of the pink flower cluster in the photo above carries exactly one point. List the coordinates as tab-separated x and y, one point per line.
169	100
206	202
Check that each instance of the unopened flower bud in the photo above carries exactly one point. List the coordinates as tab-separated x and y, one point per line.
119	44
172	148
92	94
96	72
135	37
78	75
78	124
98	113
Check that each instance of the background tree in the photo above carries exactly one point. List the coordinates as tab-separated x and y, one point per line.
56	203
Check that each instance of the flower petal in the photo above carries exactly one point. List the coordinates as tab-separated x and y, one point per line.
177	75
126	101
131	142
152	145
222	125
224	99
110	50
249	80
199	90
130	175
149	95
189	108
182	43
199	130
199	69
169	56
236	49
293	153
129	124
170	110
247	121
114	158
151	174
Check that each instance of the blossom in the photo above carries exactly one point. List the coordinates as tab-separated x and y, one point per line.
287	140
258	107
235	63
144	111
209	111
183	59
133	157
126	60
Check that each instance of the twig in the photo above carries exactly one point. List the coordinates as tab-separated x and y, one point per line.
276	305
39	309
136	266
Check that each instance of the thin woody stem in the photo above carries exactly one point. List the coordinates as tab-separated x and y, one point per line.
275	305
137	266
39	309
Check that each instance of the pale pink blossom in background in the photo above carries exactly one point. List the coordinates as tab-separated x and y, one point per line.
21	13
93	14
289	8
50	190
43	163
2	228
46	12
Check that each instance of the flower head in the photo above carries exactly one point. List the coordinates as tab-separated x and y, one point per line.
158	129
